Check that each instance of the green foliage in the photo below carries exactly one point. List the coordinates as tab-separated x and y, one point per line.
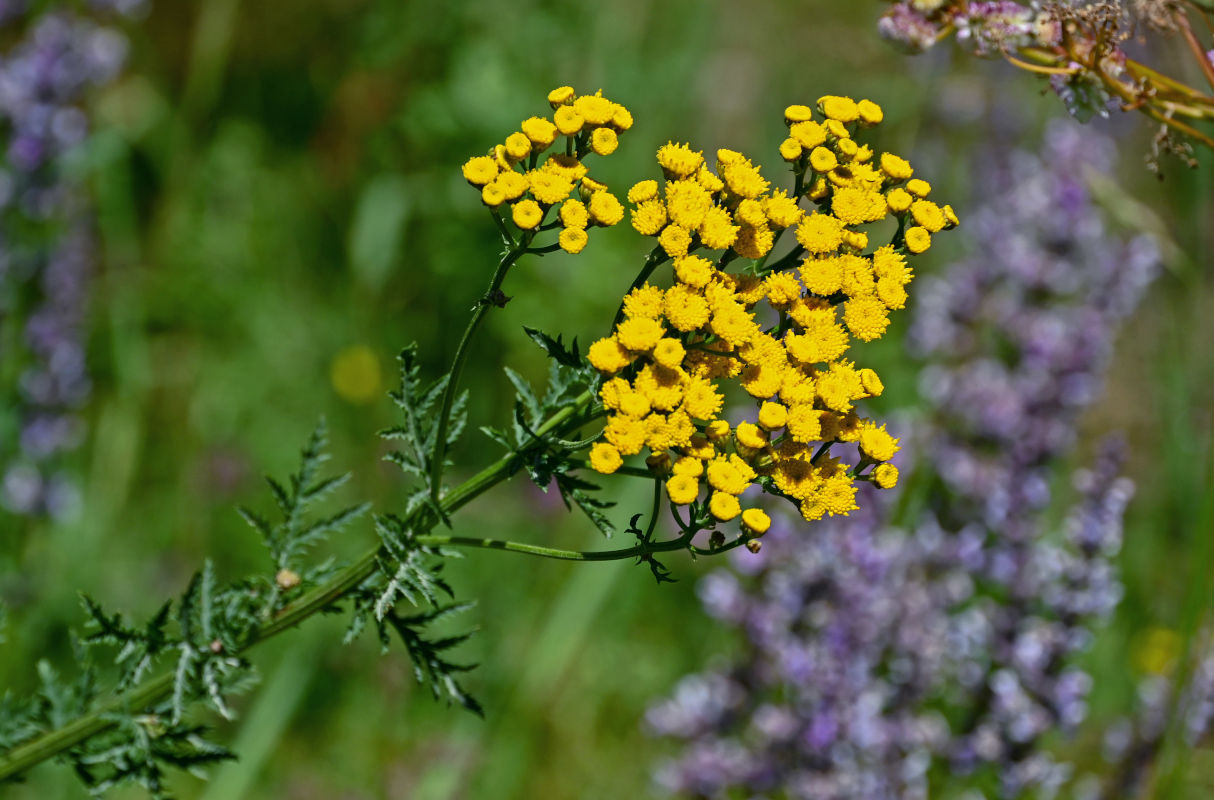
407	571
547	458
418	434
290	538
202	639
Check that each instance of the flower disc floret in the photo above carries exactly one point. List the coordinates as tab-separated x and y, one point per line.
820	233
773	416
595	109
640	334
480	170
896	167
605	459
540	131
605	209
877	443
562	95
604	141
866	318
685	309
797	113
885	476
870	112
548	187
928	214
842	109
717	231
682	489
756	521
649	217
518	146
642	191
568	121
808	134
573	240
608	355
724	506
918	240
526	214
644	301
674	240
679	160
669	353
694	270
574	214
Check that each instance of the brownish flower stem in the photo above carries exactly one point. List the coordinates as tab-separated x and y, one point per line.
1207	69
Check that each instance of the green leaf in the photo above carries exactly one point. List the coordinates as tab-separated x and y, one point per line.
556	349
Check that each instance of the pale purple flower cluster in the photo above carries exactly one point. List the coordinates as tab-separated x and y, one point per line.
988	28
46	243
877	649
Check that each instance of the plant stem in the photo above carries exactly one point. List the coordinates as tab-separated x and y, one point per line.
61	740
635	551
487	301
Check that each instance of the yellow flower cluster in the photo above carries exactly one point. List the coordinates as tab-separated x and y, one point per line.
774	329
513	172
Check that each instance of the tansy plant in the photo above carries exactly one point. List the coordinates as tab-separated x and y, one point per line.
729	318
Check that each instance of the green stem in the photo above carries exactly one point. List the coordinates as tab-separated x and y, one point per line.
635	551
61	740
487	301
502	229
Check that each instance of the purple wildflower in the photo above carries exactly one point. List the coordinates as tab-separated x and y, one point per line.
46	243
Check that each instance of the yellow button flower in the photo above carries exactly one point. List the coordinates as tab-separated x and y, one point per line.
843	109
561	96
756	521
682	489
918	240
540	131
526	214
574	214
568	121
604	141
605	459
479	170
573	240
885	476
679	160
518	146
604	209
724	506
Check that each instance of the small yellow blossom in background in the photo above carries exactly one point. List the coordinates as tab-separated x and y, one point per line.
671	357
1156	650
355	375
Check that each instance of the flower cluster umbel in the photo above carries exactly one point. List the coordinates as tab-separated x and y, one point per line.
774	328
589	123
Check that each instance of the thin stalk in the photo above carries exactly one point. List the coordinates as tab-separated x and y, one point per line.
635	551
1040	70
1207	69
487	301
63	739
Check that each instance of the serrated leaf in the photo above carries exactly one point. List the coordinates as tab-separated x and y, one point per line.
556	349
525	394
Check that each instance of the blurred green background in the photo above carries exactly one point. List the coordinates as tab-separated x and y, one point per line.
281	210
